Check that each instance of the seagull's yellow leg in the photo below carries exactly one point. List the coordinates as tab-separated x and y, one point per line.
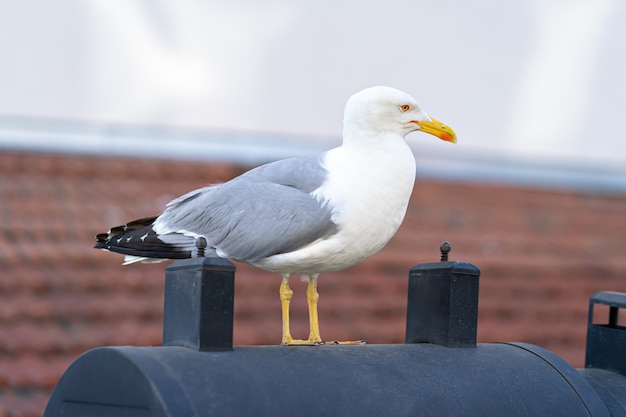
285	298
312	298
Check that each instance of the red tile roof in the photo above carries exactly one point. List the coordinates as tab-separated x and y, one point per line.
542	254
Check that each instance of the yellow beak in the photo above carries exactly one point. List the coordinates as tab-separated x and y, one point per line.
441	130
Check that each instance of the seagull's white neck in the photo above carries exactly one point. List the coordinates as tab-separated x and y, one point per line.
380	147
360	133
353	134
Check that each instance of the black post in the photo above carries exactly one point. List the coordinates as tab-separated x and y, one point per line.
443	303
199	296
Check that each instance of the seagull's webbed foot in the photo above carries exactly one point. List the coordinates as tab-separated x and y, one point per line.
347	342
301	342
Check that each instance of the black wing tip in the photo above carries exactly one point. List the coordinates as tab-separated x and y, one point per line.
139	241
102	237
118	231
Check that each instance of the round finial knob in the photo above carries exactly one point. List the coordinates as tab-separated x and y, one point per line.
445	249
201	244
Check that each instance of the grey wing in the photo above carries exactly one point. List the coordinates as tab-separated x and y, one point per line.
189	196
253	216
309	175
305	174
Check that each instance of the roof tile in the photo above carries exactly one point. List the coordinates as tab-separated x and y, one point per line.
542	254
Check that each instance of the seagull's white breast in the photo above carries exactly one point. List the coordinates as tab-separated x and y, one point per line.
368	190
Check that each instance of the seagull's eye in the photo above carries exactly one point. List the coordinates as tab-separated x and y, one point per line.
405	108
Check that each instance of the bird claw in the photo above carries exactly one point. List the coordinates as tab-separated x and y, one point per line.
298	342
347	342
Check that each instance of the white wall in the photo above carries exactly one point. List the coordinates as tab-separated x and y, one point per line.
538	78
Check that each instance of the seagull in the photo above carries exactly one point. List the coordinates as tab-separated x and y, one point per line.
298	216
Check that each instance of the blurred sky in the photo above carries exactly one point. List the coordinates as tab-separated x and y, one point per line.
542	79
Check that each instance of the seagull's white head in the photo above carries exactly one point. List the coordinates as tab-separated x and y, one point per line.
387	110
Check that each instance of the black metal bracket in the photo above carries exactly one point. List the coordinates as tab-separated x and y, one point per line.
606	342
